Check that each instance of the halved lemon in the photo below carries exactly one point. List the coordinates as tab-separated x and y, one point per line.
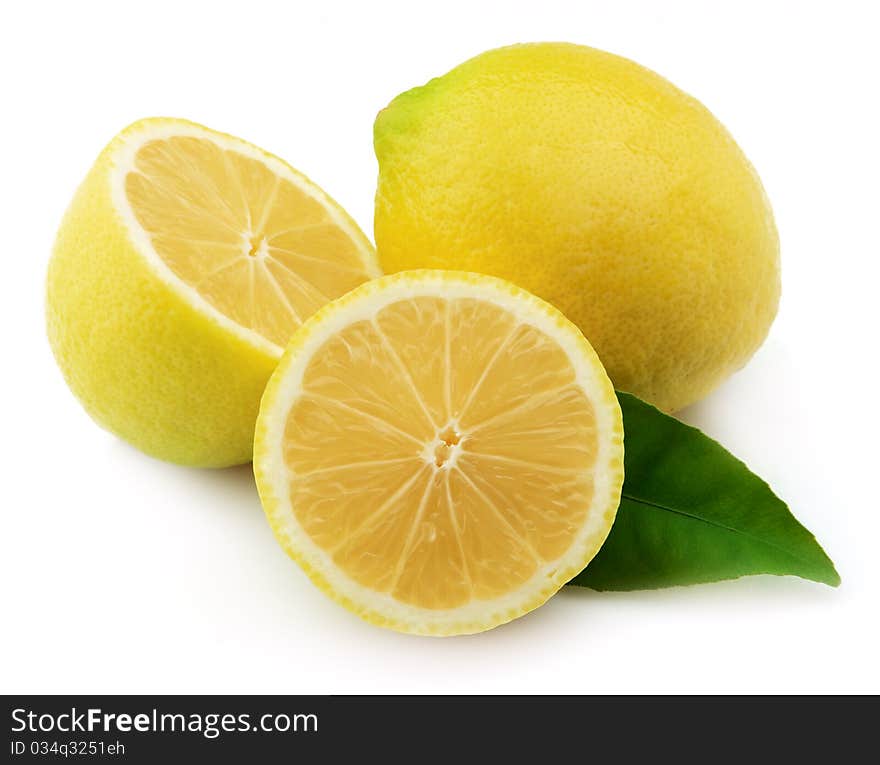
440	451
182	267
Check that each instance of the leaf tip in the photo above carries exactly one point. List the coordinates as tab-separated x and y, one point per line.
833	578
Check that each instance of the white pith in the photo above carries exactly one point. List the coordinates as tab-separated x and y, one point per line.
124	162
363	304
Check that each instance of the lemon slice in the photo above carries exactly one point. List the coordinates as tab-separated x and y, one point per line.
440	451
185	261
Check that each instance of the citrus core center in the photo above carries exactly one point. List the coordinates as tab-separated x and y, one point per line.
446	447
256	245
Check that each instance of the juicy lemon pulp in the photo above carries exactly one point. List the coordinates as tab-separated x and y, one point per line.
440	476
259	248
440	450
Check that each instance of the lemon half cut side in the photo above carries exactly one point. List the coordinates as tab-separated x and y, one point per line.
440	451
184	263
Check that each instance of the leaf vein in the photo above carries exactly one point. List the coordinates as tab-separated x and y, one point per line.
716	524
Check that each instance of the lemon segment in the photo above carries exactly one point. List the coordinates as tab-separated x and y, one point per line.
441	452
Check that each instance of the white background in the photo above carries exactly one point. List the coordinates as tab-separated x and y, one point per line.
123	574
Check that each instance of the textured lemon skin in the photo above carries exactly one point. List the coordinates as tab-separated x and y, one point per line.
144	363
599	186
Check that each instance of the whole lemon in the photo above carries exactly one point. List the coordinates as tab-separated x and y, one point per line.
598	185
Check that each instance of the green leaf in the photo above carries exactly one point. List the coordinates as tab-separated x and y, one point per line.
691	512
